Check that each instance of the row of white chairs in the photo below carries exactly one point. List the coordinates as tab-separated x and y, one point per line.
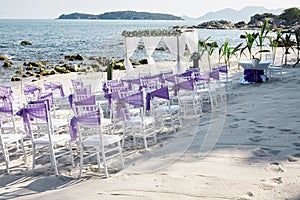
102	138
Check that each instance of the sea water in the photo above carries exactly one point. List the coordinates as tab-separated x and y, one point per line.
53	39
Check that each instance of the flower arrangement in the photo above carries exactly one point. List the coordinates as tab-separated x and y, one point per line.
152	33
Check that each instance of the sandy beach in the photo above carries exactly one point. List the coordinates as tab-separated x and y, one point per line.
256	155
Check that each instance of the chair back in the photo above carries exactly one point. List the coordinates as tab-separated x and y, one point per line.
37	120
87	122
270	57
31	92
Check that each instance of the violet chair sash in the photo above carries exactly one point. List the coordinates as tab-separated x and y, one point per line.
39	101
133	99
171	78
222	69
186	74
28	113
71	99
90	118
48	96
30	89
54	86
214	74
162	92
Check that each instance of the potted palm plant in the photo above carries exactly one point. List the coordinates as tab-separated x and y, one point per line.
265	29
297	35
226	52
287	43
250	39
274	42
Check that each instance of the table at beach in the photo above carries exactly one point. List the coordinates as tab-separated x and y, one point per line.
254	73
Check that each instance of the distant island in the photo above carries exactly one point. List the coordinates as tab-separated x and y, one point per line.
122	15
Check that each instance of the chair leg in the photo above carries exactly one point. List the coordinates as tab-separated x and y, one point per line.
98	159
81	161
54	160
104	162
33	157
121	155
24	152
6	158
71	152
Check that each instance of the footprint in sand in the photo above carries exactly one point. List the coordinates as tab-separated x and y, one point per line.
285	130
256	139
275	167
274	152
233	126
277	180
253	121
294	133
292	159
296	144
257	132
260	152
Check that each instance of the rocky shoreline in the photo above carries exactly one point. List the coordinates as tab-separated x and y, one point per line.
78	63
255	23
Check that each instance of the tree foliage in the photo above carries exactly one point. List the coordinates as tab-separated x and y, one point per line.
291	15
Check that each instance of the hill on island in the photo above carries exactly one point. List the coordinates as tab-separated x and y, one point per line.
122	15
235	15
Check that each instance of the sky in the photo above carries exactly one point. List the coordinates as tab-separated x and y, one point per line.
51	9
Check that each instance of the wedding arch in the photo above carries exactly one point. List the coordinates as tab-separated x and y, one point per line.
175	39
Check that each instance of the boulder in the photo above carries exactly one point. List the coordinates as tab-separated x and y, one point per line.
240	24
3	57
25	42
30	67
221	24
143	61
15	78
7	64
74	57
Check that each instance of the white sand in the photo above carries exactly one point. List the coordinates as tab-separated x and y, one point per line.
257	155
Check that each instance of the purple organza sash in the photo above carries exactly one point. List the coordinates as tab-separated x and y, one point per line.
30	89
185	85
198	78
28	113
39	101
90	118
222	69
134	99
214	74
71	98
186	74
114	95
48	96
54	86
162	92
171	78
